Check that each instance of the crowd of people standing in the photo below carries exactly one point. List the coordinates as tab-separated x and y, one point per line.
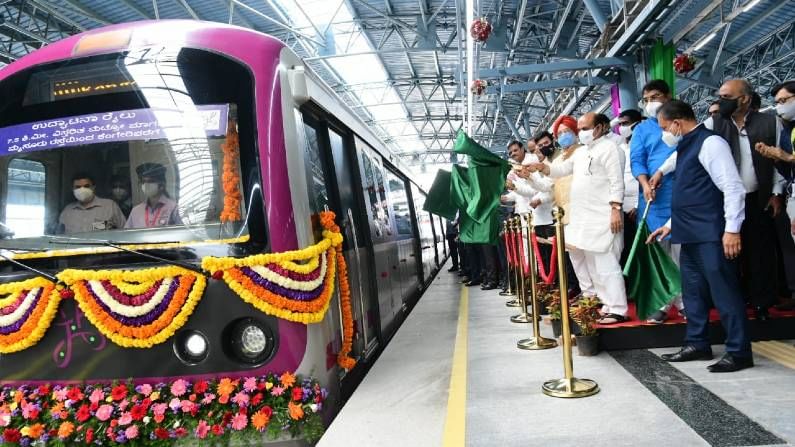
715	194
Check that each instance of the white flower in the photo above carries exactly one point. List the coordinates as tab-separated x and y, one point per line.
130	311
146	419
176	424
313	407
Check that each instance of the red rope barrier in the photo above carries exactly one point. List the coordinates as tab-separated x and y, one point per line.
553	261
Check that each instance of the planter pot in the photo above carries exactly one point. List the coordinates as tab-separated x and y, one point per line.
557	328
588	345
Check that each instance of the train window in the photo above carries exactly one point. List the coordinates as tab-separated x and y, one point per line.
25	199
318	194
374	188
159	160
400	204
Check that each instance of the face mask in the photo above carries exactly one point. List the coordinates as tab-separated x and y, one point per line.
83	194
625	131
586	137
670	139
150	189
119	193
546	151
652	108
566	139
728	107
786	110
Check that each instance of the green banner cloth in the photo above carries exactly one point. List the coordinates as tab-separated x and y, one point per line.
473	191
438	201
661	63
654	278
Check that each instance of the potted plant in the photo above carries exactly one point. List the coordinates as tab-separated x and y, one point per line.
586	314
553	309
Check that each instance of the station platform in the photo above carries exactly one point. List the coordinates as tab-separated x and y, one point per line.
453	376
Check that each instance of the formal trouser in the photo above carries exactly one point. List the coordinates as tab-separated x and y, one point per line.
758	253
786	241
503	261
463	258
604	272
474	262
706	273
630	228
489	262
791	214
453	244
674	251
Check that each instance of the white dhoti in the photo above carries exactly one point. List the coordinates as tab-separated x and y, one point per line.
605	276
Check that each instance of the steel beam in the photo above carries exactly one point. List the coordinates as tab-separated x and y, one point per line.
596	12
552	84
581	64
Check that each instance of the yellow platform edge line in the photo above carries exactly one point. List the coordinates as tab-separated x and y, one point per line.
779	352
455	422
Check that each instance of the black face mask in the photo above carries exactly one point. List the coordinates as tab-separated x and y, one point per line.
728	107
546	151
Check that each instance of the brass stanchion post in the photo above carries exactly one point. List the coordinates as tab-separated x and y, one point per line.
512	272
523	317
536	342
569	386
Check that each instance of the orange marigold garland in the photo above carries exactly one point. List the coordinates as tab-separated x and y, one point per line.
231	175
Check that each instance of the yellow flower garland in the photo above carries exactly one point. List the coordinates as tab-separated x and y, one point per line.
77	280
40	319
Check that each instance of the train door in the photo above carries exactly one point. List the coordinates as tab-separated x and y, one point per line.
331	187
408	257
385	250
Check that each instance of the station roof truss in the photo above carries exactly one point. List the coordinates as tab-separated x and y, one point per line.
399	63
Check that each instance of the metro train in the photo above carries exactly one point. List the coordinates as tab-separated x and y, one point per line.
165	94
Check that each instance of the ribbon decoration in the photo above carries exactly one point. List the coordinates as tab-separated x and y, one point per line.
553	261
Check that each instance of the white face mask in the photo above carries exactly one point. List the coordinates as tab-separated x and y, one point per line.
786	110
586	137
670	139
83	194
652	108
119	193
625	131
150	189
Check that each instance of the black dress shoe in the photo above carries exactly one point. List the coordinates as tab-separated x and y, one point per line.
505	292
464	280
488	286
761	313
730	363
475	282
687	354
452	269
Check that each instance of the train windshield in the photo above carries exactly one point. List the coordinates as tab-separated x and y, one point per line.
138	147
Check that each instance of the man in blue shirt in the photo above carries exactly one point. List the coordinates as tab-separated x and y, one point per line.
647	152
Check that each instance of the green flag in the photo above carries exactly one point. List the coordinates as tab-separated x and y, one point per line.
654	278
439	200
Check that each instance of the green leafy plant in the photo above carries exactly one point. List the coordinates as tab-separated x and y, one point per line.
586	314
553	305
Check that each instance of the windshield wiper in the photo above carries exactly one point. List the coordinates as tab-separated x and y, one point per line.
69	240
30	269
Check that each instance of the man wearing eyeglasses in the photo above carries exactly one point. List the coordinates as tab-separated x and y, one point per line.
784	97
596	222
647	152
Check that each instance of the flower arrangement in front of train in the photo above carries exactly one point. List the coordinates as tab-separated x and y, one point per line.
231	175
26	310
136	308
295	285
226	411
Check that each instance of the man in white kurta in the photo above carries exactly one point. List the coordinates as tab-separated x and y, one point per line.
596	217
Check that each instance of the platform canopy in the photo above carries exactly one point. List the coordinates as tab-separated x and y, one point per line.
543	57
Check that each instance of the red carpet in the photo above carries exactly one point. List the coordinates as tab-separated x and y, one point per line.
674	318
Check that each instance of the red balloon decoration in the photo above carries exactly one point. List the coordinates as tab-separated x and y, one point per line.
478	87
480	29
684	63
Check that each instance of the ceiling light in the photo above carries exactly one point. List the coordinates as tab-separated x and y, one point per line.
750	5
705	41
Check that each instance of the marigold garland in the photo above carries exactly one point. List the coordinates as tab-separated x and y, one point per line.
141	320
26	312
270	282
231	175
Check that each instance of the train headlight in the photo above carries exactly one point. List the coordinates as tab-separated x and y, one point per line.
249	340
191	346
